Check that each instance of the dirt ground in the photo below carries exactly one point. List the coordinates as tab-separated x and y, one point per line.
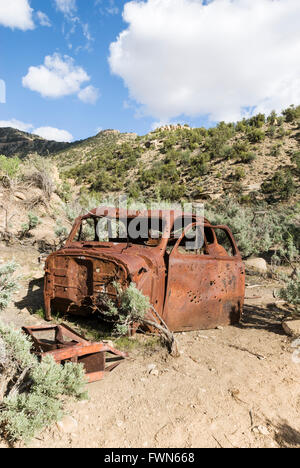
231	387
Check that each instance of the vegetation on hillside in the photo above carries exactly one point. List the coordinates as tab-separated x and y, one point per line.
182	162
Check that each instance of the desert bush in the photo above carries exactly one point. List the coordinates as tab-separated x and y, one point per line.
296	159
133	307
171	192
281	185
291	114
239	173
64	191
61	231
32	222
255	135
280	121
258	233
247	157
9	166
37	171
291	293
32	391
272	131
199	164
276	150
271	119
281	132
8	283
257	121
241	127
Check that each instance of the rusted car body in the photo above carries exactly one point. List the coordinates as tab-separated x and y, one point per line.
191	288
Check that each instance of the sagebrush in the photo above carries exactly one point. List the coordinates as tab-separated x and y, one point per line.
31	392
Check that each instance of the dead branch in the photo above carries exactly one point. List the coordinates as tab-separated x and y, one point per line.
164	330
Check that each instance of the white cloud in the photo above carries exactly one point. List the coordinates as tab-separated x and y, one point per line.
16	14
220	59
58	77
68	7
89	95
50	133
13	123
43	19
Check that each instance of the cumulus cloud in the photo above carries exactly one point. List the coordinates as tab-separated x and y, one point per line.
89	95
13	123
68	7
16	14
57	77
50	133
223	58
43	19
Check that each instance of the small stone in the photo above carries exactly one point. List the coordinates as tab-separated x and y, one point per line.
261	430
67	425
151	367
219	327
154	372
258	264
119	423
292	327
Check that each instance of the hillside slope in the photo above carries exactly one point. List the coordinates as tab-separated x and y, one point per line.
16	143
255	159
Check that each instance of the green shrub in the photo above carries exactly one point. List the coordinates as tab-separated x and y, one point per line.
9	166
281	185
38	402
256	121
272	118
8	283
171	192
132	307
199	164
291	293
276	150
247	157
33	222
291	114
280	121
272	131
258	233
296	159
64	191
239	173
256	135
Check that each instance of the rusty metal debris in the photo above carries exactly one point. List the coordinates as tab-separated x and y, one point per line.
67	345
190	288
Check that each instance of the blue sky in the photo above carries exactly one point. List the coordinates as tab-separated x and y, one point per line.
80	65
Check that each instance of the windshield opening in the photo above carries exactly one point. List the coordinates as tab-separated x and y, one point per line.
138	230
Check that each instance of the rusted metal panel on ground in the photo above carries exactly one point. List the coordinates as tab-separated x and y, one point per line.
191	289
67	345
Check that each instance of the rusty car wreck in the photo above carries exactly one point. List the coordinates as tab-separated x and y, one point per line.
190	286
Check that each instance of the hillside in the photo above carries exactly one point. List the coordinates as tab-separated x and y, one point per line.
16	143
253	160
